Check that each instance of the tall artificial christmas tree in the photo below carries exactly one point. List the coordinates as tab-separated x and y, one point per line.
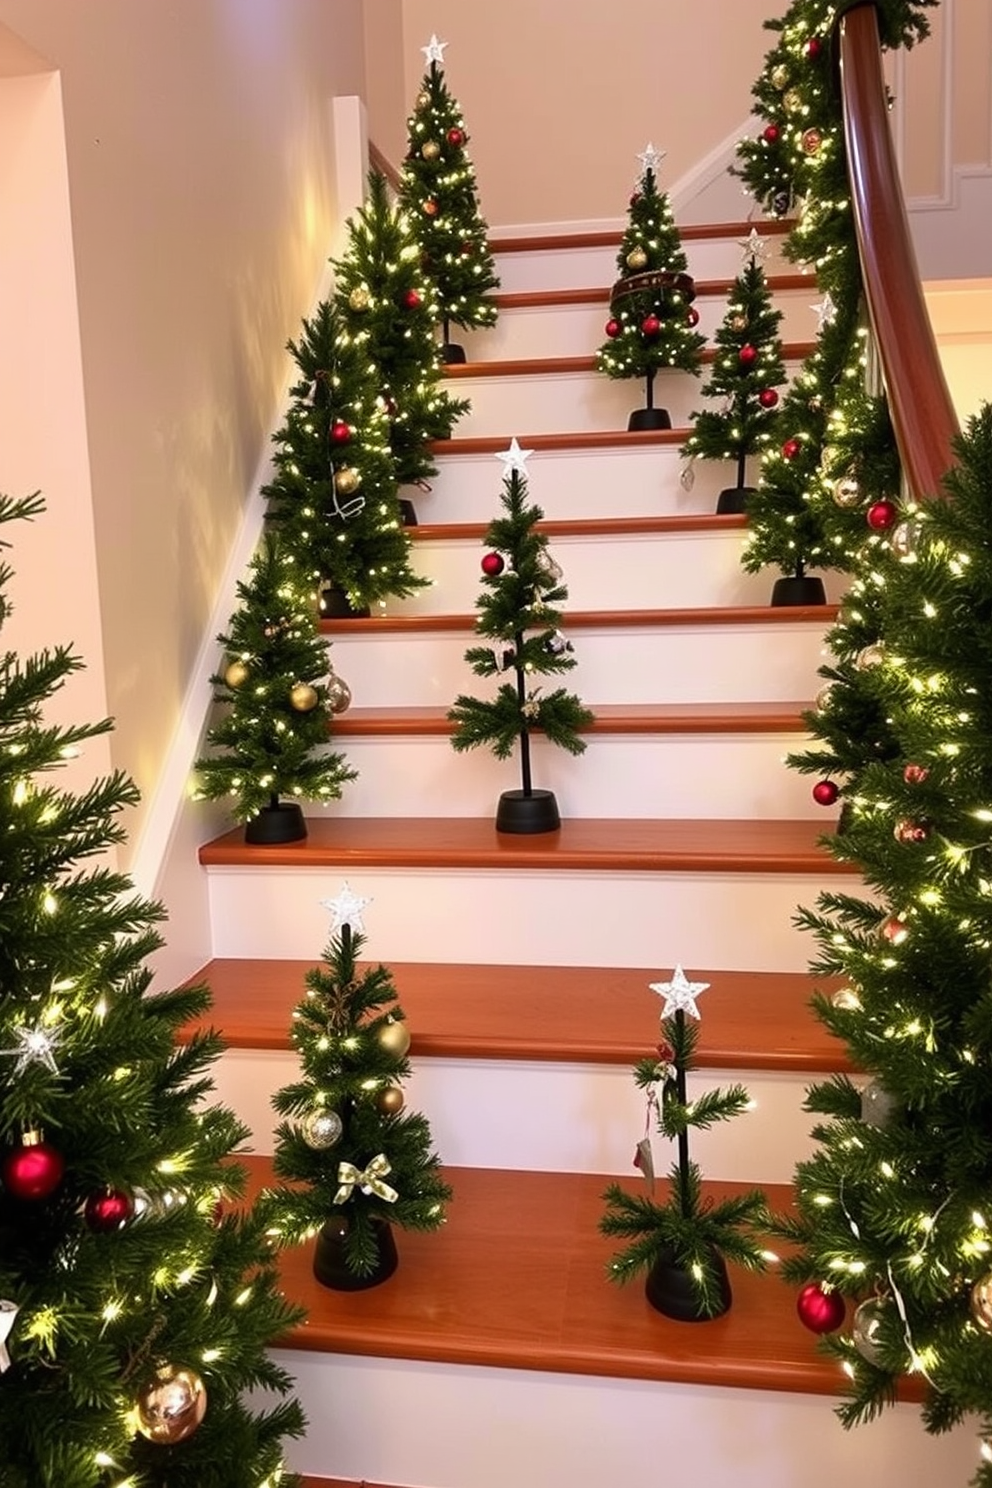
139	1300
652	318
357	1164
440	198
334	493
747	372
681	1241
386	305
523	584
893	1210
280	694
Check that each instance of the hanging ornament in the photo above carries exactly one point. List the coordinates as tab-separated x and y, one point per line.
980	1303
235	675
738	323
108	1210
493	564
430	207
894	930
394	1038
915	774
882	515
347	480
813	48
551	570
430	150
612	328
870	656
412	299
825	792
820	1308
904	539
692	317
812	139
870	1319
846	492
910	831
792	101
8	1317
338	694
359	299
829	457
770	133
320	1129
846	999
878	1106
557	644
340	432
636	258
822	699
650	325
768	398
456	136
33	1169
747	355
780	76
791	449
781	202
171	1405
390	1100
303	697
423	99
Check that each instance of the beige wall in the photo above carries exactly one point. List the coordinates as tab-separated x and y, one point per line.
944	99
200	173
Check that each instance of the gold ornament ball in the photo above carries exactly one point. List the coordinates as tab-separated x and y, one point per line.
423	99
347	480
236	674
359	298
846	999
780	76
829	455
738	323
320	1129
904	539
303	697
811	141
822	699
981	1303
847	492
390	1100
338	695
431	150
394	1038
793	101
171	1405
871	656
636	258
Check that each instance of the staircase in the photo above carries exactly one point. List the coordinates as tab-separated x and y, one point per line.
499	1354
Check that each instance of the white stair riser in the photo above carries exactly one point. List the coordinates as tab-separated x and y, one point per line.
639	571
579	268
578	330
549	1117
664	775
576	484
481	1427
536	917
737	663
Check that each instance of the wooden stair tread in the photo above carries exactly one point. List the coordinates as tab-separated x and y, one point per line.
516	1279
540	299
610	844
559	1014
610	718
689	615
611	237
592	526
792	351
575	439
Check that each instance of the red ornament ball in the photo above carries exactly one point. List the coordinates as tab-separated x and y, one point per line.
791	448
882	515
747	355
456	136
430	207
340	432
813	48
412	299
910	832
493	564
635	198
825	792
612	328
692	316
915	774
771	133
32	1170
107	1211
650	325
895	930
768	397
819	1310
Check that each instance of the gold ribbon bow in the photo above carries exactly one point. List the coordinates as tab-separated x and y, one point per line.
369	1182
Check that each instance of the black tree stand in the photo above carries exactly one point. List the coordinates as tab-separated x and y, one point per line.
526	810
649	417
799	588
669	1287
279	821
451	353
335	605
734	499
329	1264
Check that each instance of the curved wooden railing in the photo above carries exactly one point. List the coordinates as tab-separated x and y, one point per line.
919	403
380	162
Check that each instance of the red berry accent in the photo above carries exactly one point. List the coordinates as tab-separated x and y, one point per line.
747	355
791	448
825	793
613	328
771	133
650	325
915	774
768	397
340	432
456	137
492	564
882	515
412	299
635	198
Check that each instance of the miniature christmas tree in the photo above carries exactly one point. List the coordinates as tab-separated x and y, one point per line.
682	1241
273	739
387	306
334	494
747	373
439	196
358	1165
138	1300
652	318
516	611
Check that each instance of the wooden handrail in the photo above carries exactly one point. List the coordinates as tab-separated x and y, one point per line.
920	405
385	167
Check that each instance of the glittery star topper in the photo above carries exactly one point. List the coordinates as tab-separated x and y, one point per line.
651	158
680	994
514	458
346	910
434	51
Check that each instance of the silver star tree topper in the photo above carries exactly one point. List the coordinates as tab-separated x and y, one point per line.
346	909
514	458
680	994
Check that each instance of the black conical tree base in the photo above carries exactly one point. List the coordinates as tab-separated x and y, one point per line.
672	1291
335	605
522	813
803	590
733	500
408	515
332	1270
452	354
281	822
649	418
